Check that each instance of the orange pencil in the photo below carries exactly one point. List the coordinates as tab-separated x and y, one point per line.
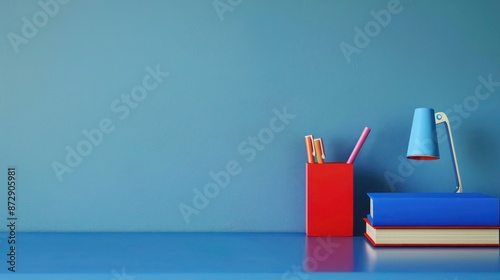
319	150
309	149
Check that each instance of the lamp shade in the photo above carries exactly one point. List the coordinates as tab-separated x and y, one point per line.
423	143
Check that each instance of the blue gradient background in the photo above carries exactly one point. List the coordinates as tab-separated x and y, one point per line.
226	77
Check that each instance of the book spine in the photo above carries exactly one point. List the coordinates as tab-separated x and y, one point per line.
435	212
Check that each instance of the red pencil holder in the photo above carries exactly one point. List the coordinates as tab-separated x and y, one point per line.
329	199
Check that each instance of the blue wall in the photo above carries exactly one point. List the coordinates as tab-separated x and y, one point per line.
115	113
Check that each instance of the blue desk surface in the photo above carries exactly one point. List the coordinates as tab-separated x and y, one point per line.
128	256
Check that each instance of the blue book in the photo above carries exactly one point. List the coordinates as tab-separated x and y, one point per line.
433	209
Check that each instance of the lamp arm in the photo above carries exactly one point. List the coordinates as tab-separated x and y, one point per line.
442	118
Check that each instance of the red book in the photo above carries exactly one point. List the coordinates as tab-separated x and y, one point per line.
432	235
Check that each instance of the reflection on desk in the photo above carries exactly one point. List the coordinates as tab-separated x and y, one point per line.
430	259
328	253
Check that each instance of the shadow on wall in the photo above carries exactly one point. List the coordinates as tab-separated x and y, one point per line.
365	181
480	148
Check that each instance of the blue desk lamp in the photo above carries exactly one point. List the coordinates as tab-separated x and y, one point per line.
423	139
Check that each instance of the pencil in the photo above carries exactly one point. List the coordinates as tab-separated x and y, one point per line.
319	150
309	149
358	146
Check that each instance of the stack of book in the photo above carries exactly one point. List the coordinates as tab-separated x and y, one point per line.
433	219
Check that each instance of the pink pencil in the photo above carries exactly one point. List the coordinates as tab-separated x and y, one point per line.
358	146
